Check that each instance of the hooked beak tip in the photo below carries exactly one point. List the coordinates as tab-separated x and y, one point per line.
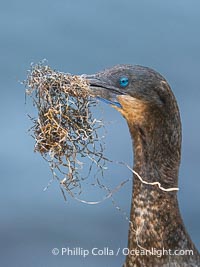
102	91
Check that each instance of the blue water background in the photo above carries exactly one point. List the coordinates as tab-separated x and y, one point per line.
84	37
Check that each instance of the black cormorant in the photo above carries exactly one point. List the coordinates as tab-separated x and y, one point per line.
146	101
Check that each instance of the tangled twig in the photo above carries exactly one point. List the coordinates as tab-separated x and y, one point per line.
64	130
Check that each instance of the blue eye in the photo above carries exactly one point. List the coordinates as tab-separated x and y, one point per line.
123	81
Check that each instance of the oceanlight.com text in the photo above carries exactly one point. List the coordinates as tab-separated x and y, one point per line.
106	251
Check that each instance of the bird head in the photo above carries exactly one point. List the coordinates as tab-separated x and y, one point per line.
146	101
138	93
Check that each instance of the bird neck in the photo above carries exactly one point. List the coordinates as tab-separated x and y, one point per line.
157	147
155	160
155	215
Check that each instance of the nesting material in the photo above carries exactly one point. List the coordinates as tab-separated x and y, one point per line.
64	130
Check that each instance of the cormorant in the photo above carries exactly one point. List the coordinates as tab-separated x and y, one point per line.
145	100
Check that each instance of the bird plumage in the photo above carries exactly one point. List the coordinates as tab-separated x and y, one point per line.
146	101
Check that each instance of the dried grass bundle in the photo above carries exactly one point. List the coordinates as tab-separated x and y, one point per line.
65	131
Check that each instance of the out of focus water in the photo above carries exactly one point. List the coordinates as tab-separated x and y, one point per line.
84	37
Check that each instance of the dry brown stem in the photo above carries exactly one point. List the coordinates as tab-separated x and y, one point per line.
65	132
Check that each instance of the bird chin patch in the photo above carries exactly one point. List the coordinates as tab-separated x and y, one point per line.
132	109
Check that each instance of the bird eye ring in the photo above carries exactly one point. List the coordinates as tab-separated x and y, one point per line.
123	81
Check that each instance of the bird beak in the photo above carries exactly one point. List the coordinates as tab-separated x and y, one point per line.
102	90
